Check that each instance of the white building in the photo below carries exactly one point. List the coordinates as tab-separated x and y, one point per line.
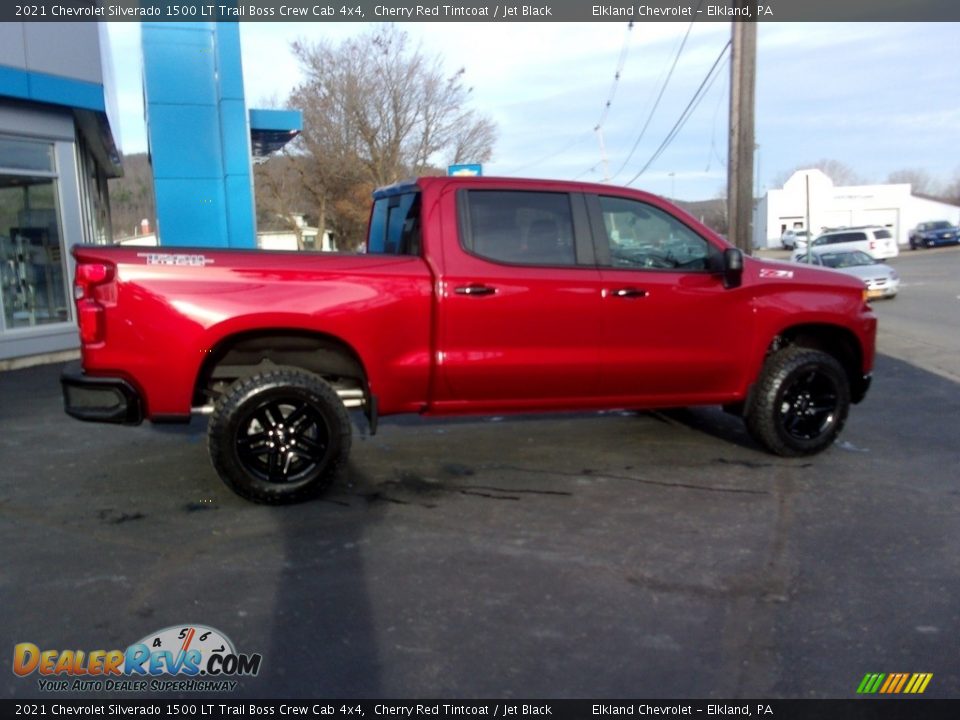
309	238
305	237
832	206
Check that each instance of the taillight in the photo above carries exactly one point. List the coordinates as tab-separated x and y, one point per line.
92	274
90	320
87	290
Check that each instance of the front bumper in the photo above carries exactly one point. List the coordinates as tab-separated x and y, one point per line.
100	399
886	290
859	388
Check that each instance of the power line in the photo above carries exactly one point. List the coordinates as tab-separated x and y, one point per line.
656	103
621	61
585	172
685	115
713	132
700	93
576	140
606	106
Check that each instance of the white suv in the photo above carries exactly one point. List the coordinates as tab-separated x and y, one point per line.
876	241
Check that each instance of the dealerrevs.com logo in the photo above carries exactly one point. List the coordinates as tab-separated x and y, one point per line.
180	658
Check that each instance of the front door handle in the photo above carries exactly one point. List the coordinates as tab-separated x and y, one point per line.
628	292
474	289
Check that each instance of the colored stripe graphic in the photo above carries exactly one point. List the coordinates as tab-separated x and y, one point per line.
903	679
894	683
918	683
870	683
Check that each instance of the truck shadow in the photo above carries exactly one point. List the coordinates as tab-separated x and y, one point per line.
895	384
323	641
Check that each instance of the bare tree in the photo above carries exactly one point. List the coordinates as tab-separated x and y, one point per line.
840	173
131	196
281	195
920	181
952	191
377	111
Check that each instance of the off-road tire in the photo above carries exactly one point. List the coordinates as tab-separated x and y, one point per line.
266	458
799	403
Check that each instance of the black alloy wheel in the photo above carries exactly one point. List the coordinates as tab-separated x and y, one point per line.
809	405
282	440
279	436
799	403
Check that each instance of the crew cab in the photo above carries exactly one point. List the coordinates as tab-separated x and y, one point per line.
473	296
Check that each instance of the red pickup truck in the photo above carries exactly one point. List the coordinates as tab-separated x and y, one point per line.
474	295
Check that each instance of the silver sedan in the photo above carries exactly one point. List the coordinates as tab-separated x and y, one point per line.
882	281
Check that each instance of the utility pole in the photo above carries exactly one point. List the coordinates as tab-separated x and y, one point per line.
743	74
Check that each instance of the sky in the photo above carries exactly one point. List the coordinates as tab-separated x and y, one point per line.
878	97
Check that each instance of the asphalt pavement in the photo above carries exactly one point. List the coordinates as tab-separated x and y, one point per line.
621	554
922	325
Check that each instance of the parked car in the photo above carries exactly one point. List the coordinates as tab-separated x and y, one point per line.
882	281
794	239
475	296
876	241
931	234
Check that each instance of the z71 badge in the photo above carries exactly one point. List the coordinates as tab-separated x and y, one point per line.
776	274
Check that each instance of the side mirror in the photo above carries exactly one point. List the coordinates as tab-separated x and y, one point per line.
732	267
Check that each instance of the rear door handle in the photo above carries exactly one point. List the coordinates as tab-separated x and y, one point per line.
628	292
474	290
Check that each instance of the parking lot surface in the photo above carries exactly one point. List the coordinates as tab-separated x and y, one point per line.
601	555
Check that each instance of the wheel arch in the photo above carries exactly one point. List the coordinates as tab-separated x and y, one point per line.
245	353
835	340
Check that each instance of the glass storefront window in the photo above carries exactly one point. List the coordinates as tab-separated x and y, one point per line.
94	194
26	155
32	277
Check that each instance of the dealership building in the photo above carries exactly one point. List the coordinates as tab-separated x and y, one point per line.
835	206
58	147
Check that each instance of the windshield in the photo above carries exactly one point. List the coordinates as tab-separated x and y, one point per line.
846	259
939	225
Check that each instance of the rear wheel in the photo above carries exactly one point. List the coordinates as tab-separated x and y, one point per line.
800	402
280	436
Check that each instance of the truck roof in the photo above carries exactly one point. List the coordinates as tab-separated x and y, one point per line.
413	184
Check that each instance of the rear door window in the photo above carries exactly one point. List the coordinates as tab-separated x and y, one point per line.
395	225
844	237
518	227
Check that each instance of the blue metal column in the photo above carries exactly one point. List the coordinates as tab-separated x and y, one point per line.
198	134
235	139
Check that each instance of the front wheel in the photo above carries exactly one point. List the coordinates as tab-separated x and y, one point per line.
279	436
800	402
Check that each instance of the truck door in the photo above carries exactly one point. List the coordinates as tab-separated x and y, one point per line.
671	332
518	301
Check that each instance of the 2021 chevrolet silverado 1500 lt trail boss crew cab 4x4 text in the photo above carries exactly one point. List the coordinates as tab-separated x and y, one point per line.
475	295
